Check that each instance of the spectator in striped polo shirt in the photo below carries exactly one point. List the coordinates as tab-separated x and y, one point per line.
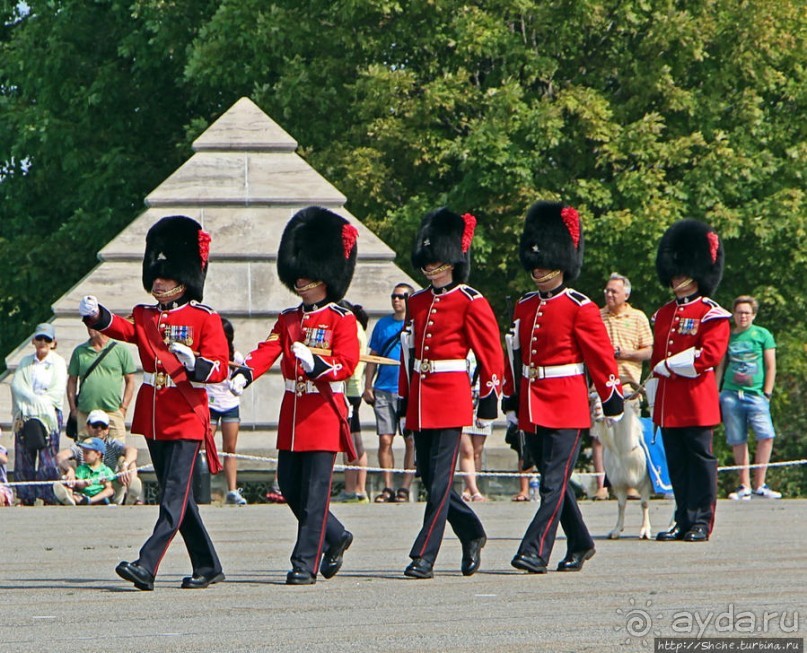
630	333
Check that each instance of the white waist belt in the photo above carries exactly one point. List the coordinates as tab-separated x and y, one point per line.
426	366
553	371
163	380
307	387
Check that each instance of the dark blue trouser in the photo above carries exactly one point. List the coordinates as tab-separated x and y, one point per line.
173	462
555	451
436	452
305	479
693	473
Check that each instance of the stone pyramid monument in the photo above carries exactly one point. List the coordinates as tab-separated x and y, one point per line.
243	182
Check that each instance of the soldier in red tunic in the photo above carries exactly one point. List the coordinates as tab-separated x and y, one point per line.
316	259
444	322
557	340
691	337
182	346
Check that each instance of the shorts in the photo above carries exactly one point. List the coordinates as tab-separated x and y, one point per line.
355	422
386	412
743	409
230	415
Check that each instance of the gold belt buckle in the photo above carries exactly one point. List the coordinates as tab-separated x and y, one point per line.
425	366
534	373
301	388
160	380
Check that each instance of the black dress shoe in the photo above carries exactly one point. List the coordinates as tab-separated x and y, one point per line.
419	568
574	561
136	574
529	562
697	534
300	577
675	533
200	582
471	553
332	558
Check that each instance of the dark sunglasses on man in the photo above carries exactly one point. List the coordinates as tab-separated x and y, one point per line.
99	425
397	295
44	339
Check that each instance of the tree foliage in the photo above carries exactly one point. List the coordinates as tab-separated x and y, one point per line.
638	112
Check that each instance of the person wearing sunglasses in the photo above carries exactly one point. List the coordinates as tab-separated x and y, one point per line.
37	395
381	392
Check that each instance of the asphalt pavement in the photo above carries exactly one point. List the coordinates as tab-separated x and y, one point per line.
59	592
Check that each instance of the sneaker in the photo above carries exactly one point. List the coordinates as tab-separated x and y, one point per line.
235	498
765	492
358	498
742	493
274	496
344	497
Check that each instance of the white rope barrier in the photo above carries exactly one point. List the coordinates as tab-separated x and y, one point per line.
338	467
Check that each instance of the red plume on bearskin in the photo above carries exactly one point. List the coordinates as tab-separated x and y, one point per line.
349	236
320	245
177	248
445	237
468	232
691	248
552	239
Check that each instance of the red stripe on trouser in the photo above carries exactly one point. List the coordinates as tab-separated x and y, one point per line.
561	498
714	503
324	526
182	514
449	486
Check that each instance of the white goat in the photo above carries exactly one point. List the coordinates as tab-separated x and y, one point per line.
625	464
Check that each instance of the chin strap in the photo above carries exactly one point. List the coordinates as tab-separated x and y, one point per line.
545	278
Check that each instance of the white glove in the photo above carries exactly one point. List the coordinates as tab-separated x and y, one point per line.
304	355
237	384
511	417
613	419
650	387
184	354
661	368
483	423
88	306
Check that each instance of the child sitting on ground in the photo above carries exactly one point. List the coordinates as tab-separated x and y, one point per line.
93	484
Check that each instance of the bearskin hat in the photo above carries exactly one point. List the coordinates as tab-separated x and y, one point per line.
692	249
445	237
319	245
552	239
177	248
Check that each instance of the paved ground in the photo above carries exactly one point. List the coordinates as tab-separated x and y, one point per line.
59	593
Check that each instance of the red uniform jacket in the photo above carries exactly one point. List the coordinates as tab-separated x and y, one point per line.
161	412
308	421
699	323
563	330
442	326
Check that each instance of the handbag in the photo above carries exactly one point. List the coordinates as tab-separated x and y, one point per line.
71	426
33	434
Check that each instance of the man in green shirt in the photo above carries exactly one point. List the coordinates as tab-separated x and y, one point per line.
109	387
748	372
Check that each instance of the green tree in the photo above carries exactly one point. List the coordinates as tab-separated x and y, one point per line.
92	109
